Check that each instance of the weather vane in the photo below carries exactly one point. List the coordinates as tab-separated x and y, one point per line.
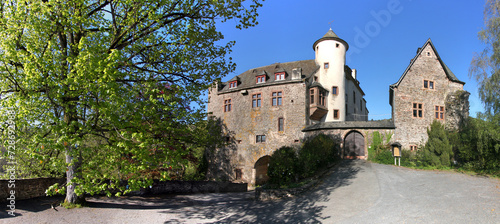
330	23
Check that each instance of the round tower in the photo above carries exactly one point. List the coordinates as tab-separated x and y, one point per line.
330	55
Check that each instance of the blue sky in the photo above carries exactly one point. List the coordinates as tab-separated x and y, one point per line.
381	46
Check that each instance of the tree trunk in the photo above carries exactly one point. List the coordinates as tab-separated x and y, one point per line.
73	171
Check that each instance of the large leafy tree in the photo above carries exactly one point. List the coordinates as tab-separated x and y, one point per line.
485	66
109	83
480	141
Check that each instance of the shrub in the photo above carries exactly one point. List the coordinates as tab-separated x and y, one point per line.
437	151
317	153
283	166
478	146
379	151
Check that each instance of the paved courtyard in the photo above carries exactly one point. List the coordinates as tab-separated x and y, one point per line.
354	192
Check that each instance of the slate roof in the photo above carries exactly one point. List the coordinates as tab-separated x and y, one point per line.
247	80
447	70
380	124
330	35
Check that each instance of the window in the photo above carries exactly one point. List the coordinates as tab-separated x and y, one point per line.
418	110
335	90
256	100
261	79
233	84
238	174
335	114
315	78
279	76
312	96
428	84
281	124
361	105
413	147
354	97
326	65
439	112
322	94
337	45
277	98
260	138
428	53
227	105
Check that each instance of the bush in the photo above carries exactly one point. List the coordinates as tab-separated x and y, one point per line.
478	144
437	152
283	166
380	152
317	153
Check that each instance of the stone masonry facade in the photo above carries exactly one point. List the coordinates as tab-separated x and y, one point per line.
427	91
246	120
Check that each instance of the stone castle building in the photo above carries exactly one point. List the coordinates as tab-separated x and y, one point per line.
281	104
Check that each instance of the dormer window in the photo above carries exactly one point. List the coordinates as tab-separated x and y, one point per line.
233	84
279	76
261	79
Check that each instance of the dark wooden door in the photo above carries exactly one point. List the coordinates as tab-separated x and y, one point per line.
354	145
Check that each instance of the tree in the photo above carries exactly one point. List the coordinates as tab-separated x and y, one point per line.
283	166
485	66
438	150
110	83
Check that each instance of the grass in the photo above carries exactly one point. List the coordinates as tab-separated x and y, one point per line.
68	205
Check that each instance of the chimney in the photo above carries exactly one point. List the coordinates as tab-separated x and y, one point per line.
296	73
354	73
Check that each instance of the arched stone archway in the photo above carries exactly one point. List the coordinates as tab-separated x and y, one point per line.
354	145
261	170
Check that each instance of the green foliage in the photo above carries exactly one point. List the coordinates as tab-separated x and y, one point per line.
409	158
437	151
55	190
286	167
109	84
485	66
317	153
379	151
283	166
478	147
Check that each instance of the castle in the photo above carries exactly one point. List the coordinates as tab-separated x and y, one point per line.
281	104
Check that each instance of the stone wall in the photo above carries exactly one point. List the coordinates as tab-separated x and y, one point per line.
245	123
367	134
413	130
31	188
27	188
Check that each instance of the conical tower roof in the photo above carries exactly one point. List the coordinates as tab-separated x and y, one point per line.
330	35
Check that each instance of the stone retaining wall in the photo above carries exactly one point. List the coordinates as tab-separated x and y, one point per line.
26	188
32	188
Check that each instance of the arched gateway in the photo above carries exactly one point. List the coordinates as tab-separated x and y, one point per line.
261	170
354	145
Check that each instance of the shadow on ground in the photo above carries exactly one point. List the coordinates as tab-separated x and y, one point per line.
34	205
225	207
